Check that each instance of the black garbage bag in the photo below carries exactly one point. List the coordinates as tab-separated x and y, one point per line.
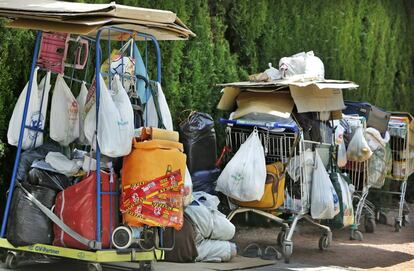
205	180
52	180
199	139
27	224
29	156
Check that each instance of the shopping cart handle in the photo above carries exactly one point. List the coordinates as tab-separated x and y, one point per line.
262	124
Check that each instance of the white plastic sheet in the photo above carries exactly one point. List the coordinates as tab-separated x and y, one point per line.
34	116
64	114
324	200
244	176
62	164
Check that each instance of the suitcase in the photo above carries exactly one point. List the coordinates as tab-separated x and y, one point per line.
76	207
273	195
375	117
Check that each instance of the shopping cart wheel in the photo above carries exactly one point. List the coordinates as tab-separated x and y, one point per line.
324	242
281	237
94	267
397	226
287	249
145	266
11	260
370	225
357	235
382	218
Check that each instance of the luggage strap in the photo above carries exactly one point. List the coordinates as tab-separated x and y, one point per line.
92	244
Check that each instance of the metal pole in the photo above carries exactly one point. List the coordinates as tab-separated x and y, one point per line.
22	127
98	151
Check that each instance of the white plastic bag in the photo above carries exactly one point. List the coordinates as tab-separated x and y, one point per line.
62	164
116	120
150	111
305	64
324	200
339	140
81	105
358	149
33	118
348	209
244	176
64	114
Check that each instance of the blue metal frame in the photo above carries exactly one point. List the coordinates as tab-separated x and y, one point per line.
98	60
22	127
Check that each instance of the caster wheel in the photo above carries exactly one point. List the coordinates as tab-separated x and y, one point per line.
281	237
382	219
357	235
94	267
370	225
397	226
324	242
145	266
287	249
11	261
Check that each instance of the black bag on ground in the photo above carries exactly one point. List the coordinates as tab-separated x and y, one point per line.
55	181
205	180
199	139
29	156
185	250
376	117
27	224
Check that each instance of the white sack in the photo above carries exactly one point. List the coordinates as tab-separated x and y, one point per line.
215	251
150	111
210	223
62	164
33	117
81	104
324	200
244	176
64	114
358	149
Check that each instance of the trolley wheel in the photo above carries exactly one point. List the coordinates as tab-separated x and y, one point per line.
281	237
370	225
324	242
145	266
94	267
397	226
11	260
357	235
287	248
382	218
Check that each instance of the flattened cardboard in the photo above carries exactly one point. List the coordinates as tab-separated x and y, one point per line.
272	103
228	99
311	98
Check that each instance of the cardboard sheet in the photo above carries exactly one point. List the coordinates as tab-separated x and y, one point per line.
313	99
86	19
272	103
228	98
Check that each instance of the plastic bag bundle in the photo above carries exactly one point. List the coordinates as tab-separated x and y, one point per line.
324	199
39	95
64	114
358	149
306	64
244	176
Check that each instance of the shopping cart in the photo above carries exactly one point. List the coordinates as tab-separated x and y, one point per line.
358	173
401	127
293	151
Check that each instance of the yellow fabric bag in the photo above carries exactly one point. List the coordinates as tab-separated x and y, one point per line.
149	160
274	193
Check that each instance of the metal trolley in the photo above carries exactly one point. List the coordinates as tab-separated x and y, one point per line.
105	34
401	129
358	172
292	150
